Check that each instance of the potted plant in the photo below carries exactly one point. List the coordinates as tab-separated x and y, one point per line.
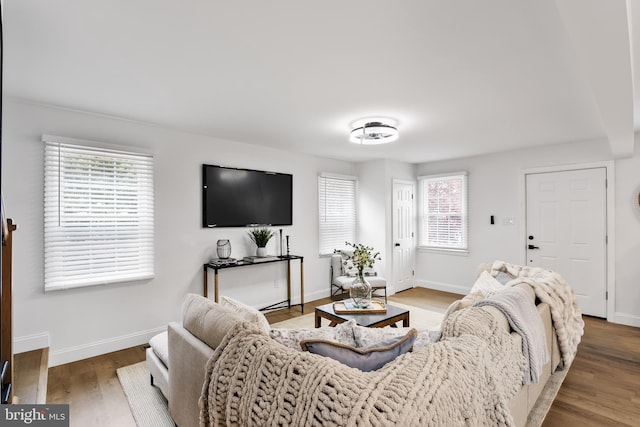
261	236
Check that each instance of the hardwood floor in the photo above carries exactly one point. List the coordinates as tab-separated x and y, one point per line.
603	384
31	375
601	389
92	390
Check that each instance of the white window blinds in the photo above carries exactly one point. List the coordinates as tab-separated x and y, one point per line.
337	203
444	214
98	215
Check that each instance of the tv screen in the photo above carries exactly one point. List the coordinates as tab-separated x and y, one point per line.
242	197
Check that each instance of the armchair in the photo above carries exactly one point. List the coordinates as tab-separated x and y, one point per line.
340	282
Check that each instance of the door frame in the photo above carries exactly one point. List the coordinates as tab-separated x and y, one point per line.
414	224
610	262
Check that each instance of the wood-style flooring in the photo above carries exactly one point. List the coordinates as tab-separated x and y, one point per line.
601	389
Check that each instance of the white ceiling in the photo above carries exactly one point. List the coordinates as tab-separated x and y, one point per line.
462	77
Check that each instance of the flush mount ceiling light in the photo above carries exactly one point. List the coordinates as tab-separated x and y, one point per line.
374	132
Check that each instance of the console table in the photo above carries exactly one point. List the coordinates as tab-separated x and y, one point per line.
287	258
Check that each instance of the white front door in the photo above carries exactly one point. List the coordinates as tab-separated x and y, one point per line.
403	232
567	231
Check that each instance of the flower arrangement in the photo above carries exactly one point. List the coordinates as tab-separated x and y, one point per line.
362	256
260	236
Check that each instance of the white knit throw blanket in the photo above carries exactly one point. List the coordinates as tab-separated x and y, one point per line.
552	289
519	309
465	379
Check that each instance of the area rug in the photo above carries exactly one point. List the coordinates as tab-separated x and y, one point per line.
148	405
418	318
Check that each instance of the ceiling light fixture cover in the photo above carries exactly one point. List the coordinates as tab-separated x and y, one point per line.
374	132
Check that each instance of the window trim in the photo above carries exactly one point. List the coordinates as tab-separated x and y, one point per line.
103	149
462	250
343	177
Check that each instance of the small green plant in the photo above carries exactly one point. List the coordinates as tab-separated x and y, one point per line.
362	256
260	236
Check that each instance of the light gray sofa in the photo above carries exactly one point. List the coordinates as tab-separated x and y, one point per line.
205	324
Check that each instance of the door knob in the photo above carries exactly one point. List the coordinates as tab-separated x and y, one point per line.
397	244
533	247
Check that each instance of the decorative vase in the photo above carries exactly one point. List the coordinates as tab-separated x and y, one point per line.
261	252
360	291
223	248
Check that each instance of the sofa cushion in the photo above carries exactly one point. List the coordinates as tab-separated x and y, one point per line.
366	359
206	320
160	346
342	333
247	312
367	337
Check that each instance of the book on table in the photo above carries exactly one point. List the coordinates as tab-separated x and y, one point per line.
256	259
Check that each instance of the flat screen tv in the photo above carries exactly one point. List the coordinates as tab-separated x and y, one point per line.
242	197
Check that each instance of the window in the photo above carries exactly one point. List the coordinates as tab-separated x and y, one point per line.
337	202
98	215
444	216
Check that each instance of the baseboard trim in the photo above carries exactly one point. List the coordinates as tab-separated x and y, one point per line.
625	319
312	296
96	348
31	342
446	287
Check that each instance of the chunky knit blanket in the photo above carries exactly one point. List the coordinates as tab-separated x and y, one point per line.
467	378
552	289
518	307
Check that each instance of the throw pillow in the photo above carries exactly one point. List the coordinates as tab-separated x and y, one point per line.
247	312
342	333
349	268
352	271
366	359
367	337
369	271
206	320
487	285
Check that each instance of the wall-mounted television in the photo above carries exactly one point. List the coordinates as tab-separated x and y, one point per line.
234	197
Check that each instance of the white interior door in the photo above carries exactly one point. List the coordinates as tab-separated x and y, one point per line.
567	231
403	235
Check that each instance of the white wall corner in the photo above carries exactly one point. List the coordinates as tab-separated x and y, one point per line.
96	348
319	294
31	342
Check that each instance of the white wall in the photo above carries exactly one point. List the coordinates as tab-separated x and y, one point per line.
371	209
375	203
627	268
88	321
496	188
